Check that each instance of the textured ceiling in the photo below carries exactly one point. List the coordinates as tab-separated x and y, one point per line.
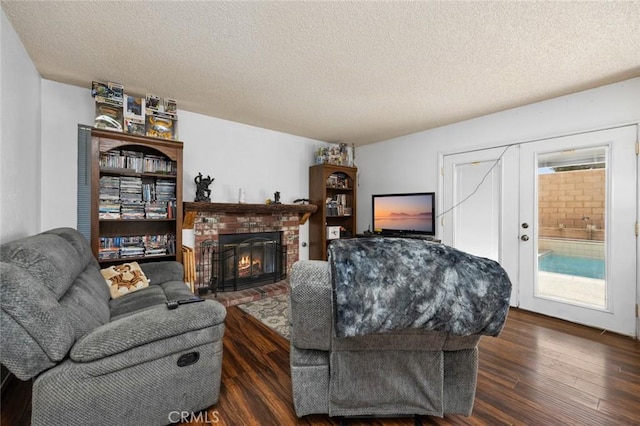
356	72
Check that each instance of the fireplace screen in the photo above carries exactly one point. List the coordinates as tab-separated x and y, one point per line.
246	260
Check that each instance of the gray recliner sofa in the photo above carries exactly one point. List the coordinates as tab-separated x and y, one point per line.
413	369
97	360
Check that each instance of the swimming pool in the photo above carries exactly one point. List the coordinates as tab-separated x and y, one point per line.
571	265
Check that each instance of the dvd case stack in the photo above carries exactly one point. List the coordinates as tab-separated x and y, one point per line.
136	246
131	198
109	204
158	164
112	159
337	206
131	247
166	193
165	190
148	190
156	245
132	210
115	159
155	210
171	244
109	248
134	160
337	181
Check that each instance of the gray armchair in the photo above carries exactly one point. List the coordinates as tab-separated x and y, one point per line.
342	368
96	360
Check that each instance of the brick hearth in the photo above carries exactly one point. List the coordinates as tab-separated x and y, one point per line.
232	298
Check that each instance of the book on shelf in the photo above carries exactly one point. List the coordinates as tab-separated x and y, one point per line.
109	189
110	194
109	209
109	253
158	164
165	190
156	210
337	206
112	159
131	252
131	185
109	198
134	160
137	162
148	190
338	181
132	210
156	245
171	209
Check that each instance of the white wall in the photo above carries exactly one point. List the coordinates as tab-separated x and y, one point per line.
411	163
20	138
240	156
63	108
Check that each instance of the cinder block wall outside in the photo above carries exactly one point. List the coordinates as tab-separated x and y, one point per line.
564	198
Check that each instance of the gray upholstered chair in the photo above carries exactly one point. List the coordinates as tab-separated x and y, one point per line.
427	366
96	360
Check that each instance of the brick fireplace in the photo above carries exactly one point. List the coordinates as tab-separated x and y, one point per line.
211	220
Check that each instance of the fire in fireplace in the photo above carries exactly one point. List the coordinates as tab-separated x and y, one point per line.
242	261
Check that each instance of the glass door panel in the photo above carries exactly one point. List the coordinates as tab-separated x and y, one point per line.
571	226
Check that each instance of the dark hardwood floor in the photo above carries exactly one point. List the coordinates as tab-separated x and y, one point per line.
540	371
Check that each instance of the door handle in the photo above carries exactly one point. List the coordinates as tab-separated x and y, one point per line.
525	238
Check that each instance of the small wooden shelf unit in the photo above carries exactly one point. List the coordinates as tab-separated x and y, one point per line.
333	189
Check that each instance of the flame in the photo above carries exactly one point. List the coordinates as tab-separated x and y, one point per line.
244	261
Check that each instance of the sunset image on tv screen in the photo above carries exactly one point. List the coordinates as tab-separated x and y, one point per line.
404	213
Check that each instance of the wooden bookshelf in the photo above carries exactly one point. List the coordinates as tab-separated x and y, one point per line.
157	165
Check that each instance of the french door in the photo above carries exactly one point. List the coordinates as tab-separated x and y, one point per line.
559	215
477	214
578	251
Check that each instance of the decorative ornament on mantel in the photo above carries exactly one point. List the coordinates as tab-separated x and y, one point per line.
276	199
203	193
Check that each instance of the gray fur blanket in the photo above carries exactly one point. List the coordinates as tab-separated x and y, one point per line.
385	284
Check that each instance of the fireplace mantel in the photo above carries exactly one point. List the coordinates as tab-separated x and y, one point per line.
192	209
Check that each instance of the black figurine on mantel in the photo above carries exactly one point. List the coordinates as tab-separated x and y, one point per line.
203	192
276	197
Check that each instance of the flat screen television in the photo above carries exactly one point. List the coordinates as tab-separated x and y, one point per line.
404	214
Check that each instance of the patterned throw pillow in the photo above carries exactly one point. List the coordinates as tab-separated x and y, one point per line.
124	278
